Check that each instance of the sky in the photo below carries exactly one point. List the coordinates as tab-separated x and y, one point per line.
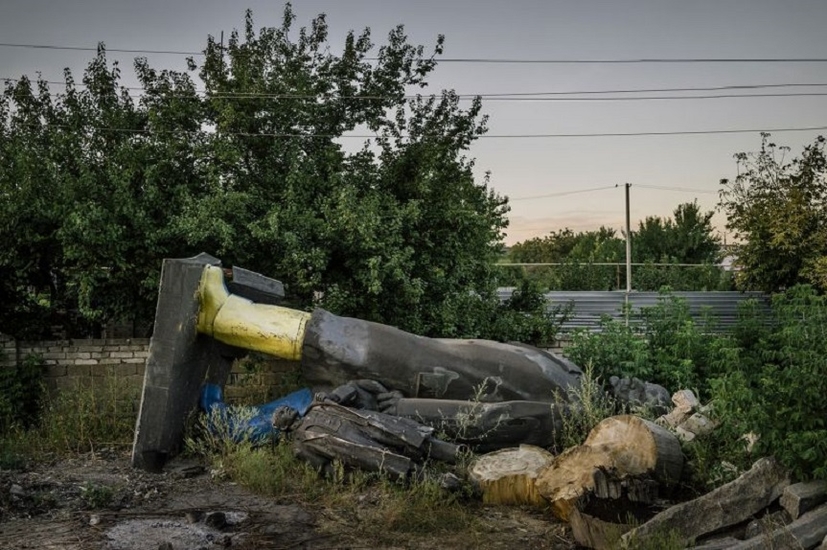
547	179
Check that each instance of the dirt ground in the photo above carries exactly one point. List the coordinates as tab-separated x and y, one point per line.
99	502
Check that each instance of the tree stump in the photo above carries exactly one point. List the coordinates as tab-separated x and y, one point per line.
508	476
626	445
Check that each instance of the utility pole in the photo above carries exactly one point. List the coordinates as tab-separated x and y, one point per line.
628	256
628	244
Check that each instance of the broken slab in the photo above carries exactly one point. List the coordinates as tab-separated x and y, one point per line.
806	532
768	523
698	424
799	498
727	505
685	401
180	359
176	366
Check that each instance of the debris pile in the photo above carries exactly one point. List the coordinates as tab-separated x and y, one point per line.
688	419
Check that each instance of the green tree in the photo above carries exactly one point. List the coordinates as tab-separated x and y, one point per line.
398	231
554	247
777	209
254	170
688	237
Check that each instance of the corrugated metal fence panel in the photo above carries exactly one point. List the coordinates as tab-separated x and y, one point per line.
590	306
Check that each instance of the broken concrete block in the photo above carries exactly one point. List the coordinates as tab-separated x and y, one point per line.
685	435
674	419
685	400
803	497
727	505
698	424
767	524
805	532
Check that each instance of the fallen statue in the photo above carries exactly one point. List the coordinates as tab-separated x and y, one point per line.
494	394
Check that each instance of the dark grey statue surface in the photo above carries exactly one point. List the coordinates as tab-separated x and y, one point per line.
339	349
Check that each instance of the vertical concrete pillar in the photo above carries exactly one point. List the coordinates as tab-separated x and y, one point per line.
176	367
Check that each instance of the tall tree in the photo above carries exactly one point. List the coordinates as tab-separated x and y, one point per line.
687	237
777	209
254	169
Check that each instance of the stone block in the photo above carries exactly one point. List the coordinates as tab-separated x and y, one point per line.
85	361
698	424
176	367
803	497
90	342
87	349
685	400
121	355
133	348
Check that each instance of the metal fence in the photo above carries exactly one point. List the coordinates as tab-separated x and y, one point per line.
588	307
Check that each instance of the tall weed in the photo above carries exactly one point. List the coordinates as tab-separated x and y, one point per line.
87	416
591	406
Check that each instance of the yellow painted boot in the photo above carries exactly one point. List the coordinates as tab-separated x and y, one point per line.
239	322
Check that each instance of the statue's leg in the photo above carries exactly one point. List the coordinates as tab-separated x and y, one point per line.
239	322
339	349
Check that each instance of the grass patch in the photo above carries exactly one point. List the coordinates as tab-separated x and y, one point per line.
80	419
380	509
96	496
88	417
587	406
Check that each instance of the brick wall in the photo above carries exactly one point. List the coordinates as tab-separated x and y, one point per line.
70	362
256	379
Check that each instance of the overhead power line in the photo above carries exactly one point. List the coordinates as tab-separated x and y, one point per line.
678	189
483	136
498	99
94	49
515	96
489	60
562	193
505	95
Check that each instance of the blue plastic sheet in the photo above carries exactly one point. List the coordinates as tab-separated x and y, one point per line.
256	427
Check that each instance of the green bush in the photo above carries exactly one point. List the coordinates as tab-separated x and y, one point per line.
774	383
662	344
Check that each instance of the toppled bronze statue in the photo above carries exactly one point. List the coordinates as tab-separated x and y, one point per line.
334	350
483	393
